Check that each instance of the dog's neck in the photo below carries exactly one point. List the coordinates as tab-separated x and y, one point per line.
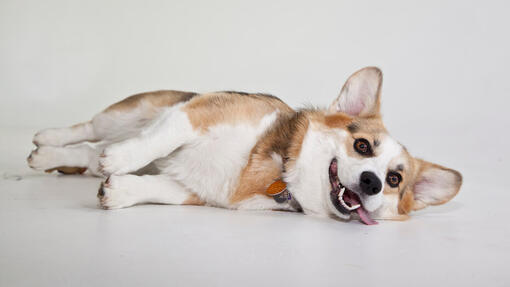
269	158
277	152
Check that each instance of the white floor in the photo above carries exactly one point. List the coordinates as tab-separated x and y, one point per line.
53	234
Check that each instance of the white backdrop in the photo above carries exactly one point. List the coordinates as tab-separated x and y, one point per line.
445	96
446	63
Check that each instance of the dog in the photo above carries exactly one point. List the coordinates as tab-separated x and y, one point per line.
250	152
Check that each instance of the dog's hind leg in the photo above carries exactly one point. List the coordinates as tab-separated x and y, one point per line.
65	136
110	125
117	122
67	160
119	191
170	130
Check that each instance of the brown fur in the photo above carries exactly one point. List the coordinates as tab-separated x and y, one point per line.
230	108
370	129
68	170
337	120
412	176
296	141
157	99
406	203
260	172
407	172
320	120
283	139
193	200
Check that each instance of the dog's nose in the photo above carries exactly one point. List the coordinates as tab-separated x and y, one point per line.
370	183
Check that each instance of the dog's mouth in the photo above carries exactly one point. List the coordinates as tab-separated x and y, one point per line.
344	199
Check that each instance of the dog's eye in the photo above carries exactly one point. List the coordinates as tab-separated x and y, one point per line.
362	146
393	178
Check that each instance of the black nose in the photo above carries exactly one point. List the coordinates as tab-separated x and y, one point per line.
370	183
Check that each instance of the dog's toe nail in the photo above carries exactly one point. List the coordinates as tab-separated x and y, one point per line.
100	192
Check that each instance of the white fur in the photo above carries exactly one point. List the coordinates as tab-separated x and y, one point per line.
165	134
388	150
118	125
127	190
210	164
388	208
262	202
48	157
308	180
277	159
65	136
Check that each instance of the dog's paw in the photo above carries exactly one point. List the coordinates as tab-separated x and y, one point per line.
120	158
49	137
43	158
113	195
114	160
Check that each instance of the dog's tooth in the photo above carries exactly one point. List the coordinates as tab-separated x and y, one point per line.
355	207
344	204
340	197
341	194
350	208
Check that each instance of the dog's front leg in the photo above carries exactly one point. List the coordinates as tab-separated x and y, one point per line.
165	134
119	191
263	202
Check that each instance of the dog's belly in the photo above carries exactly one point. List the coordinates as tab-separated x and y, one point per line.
210	165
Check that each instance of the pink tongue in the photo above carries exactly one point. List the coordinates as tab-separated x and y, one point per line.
363	214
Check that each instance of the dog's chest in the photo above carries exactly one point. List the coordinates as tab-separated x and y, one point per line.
211	164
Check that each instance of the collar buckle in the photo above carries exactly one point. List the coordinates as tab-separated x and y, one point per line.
278	190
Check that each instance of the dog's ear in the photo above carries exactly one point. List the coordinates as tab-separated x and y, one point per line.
434	184
360	94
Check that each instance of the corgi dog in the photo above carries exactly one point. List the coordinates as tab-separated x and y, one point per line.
251	152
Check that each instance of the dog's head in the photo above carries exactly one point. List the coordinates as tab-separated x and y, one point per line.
360	169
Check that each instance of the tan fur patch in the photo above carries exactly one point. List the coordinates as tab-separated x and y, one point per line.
157	99
68	170
371	125
406	203
260	172
232	108
296	144
407	173
305	117
193	200
337	120
399	217
370	129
